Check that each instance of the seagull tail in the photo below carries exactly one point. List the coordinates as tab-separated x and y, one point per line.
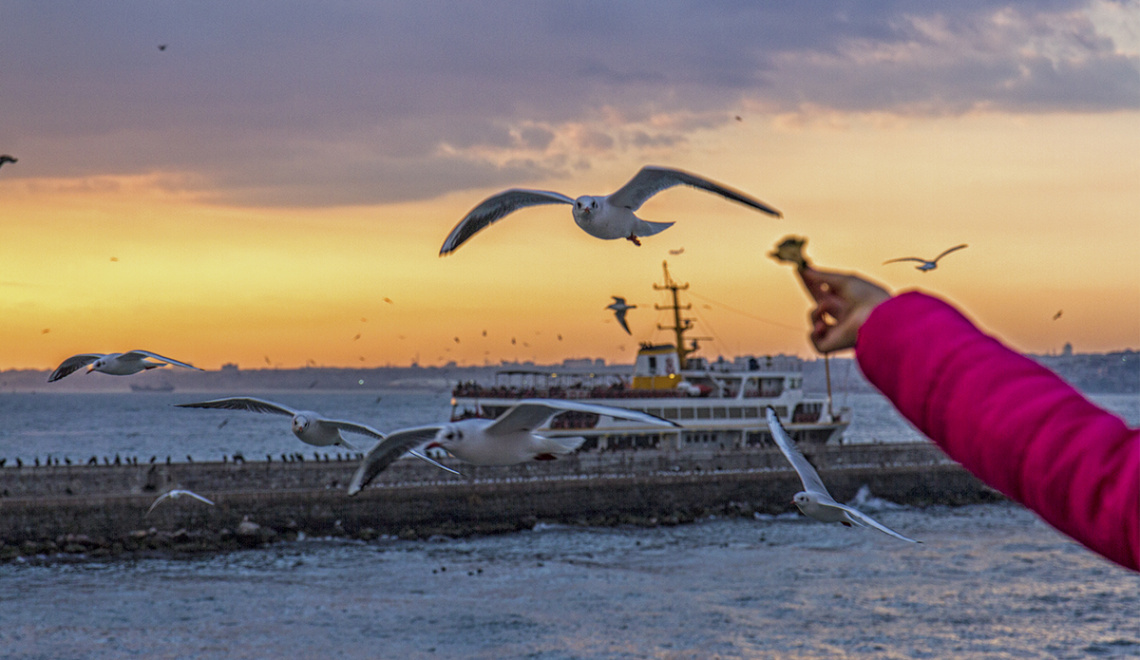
646	228
561	445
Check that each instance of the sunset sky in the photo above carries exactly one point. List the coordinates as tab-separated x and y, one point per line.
279	179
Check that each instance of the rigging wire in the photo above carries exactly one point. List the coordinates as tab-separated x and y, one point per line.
747	314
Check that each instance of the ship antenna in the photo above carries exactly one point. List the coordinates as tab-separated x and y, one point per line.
680	325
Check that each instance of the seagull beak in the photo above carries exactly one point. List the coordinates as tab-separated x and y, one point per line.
90	368
433	445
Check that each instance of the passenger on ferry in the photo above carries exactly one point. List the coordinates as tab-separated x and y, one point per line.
1010	421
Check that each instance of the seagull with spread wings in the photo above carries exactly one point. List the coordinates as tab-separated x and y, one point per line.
620	308
602	216
115	364
814	501
925	264
508	440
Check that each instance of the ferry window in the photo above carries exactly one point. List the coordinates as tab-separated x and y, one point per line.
652	364
686	413
751	411
703	413
654	411
734	413
669	413
719	413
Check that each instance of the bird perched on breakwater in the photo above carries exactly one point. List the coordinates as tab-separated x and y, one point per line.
115	364
620	308
507	440
603	216
814	501
926	264
175	494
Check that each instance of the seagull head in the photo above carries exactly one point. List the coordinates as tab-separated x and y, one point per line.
300	423
804	499
585	207
448	437
97	364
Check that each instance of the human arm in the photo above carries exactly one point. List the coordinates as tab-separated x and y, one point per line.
1011	422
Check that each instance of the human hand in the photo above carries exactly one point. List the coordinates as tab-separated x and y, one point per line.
843	303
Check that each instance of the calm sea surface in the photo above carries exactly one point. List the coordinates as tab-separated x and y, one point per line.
988	581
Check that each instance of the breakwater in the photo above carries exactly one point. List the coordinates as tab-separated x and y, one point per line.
102	509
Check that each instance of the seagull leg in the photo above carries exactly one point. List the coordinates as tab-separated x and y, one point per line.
633	239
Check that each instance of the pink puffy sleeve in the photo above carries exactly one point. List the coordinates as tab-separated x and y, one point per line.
1014	424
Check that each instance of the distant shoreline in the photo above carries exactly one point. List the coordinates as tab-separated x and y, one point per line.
1094	373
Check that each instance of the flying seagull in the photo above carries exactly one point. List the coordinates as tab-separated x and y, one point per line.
814	501
175	494
508	440
310	427
115	364
923	264
5	158
620	308
607	216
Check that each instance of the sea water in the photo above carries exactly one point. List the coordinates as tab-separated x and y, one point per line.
988	581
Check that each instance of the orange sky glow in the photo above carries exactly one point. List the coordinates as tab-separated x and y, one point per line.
126	258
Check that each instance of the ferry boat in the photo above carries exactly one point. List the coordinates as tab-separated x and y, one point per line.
719	404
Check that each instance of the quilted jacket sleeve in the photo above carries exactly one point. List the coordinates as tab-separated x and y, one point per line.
1011	422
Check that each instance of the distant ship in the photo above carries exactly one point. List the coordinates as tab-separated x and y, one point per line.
165	387
719	405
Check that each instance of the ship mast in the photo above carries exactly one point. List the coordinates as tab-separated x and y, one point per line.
680	325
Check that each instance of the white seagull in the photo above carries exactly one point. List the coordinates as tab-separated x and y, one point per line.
620	308
606	216
115	364
814	501
923	264
508	440
309	426
175	494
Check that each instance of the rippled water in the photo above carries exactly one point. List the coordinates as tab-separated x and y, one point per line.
988	581
79	426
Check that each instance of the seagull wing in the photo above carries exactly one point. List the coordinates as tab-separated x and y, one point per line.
137	355
388	450
652	180
353	427
529	414
808	475
243	403
72	364
196	496
956	247
860	518
156	502
891	261
494	208
620	315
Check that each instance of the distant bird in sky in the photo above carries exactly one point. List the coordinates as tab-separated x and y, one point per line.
45	331
388	300
508	440
114	258
162	46
814	501
115	364
678	251
356	337
607	216
5	158
175	494
620	308
1058	314
925	265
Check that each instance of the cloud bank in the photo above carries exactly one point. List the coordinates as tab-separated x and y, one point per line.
361	103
